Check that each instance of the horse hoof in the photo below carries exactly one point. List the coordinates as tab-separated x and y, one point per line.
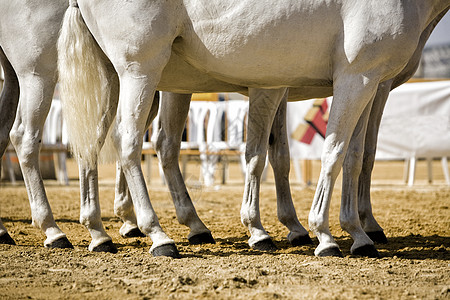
169	250
6	239
334	251
301	240
366	251
266	245
378	237
135	232
202	238
61	243
106	247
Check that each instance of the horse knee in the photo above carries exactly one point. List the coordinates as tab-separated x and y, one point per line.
255	163
332	162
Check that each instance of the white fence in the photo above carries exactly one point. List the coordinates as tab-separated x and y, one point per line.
415	124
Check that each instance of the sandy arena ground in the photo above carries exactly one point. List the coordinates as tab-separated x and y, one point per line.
414	264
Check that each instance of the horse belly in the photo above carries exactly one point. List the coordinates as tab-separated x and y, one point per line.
250	45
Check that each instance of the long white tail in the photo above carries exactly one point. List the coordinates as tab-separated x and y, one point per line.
83	86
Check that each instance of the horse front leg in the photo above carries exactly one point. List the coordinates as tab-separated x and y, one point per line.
347	107
262	110
26	135
280	160
9	100
173	114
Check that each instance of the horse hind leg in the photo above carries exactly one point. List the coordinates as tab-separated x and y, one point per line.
173	114
137	91
90	213
123	205
35	100
9	100
280	160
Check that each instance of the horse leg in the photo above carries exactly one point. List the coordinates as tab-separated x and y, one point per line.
173	114
280	160
347	107
349	217
36	93
123	205
262	110
90	212
9	100
136	93
368	222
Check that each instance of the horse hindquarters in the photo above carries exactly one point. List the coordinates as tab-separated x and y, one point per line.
89	90
137	87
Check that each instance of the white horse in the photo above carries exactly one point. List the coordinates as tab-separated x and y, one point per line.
188	216
230	46
169	138
35	78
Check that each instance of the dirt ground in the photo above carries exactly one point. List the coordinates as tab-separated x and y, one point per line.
414	264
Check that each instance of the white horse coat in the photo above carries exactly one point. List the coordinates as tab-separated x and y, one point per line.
315	48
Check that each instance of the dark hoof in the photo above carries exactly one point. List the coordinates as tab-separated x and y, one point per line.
202	238
106	247
6	239
378	237
367	251
335	251
266	245
301	240
169	250
135	232
61	243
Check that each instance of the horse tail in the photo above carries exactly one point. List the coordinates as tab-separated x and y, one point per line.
84	88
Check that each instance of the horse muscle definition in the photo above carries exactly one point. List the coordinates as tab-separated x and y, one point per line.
241	46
